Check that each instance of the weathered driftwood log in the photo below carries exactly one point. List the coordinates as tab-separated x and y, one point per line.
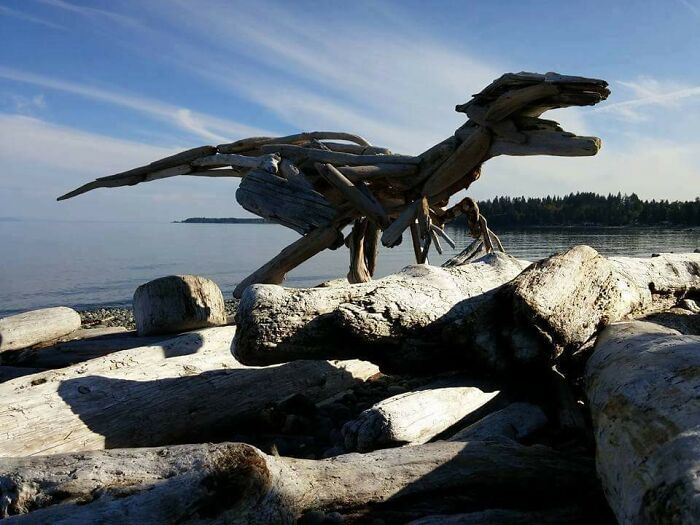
413	418
642	383
177	303
289	202
275	270
517	421
30	328
685	321
235	483
386	320
561	302
426	317
187	389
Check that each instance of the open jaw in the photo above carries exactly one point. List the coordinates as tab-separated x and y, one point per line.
511	107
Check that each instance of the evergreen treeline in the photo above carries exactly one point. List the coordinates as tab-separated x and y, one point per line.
589	208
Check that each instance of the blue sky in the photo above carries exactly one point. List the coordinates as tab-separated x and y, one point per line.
92	88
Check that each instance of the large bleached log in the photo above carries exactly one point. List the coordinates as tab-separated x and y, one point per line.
235	483
458	316
188	389
386	319
30	328
413	418
642	383
562	301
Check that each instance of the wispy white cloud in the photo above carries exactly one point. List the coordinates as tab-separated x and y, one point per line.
26	104
20	15
648	92
205	126
391	82
692	6
394	83
43	160
91	12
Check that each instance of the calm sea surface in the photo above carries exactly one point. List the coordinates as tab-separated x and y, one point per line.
85	264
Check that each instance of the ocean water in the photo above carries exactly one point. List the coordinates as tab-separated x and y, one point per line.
89	264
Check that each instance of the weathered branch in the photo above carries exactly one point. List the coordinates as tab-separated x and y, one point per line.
335	157
275	270
300	138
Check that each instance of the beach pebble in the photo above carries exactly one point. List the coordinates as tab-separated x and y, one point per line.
177	303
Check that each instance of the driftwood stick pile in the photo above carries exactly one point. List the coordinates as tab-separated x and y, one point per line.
316	185
501	362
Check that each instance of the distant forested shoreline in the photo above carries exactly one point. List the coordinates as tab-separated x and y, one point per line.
579	209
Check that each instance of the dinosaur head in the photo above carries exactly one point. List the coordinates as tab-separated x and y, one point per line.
511	106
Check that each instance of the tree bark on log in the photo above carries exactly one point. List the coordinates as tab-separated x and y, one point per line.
188	389
30	328
235	483
642	382
385	320
413	418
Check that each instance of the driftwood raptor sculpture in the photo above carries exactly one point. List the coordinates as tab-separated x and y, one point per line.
318	183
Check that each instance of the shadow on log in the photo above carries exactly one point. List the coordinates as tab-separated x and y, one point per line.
140	398
237	484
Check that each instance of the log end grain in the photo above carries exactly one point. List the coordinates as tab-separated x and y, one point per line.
177	303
